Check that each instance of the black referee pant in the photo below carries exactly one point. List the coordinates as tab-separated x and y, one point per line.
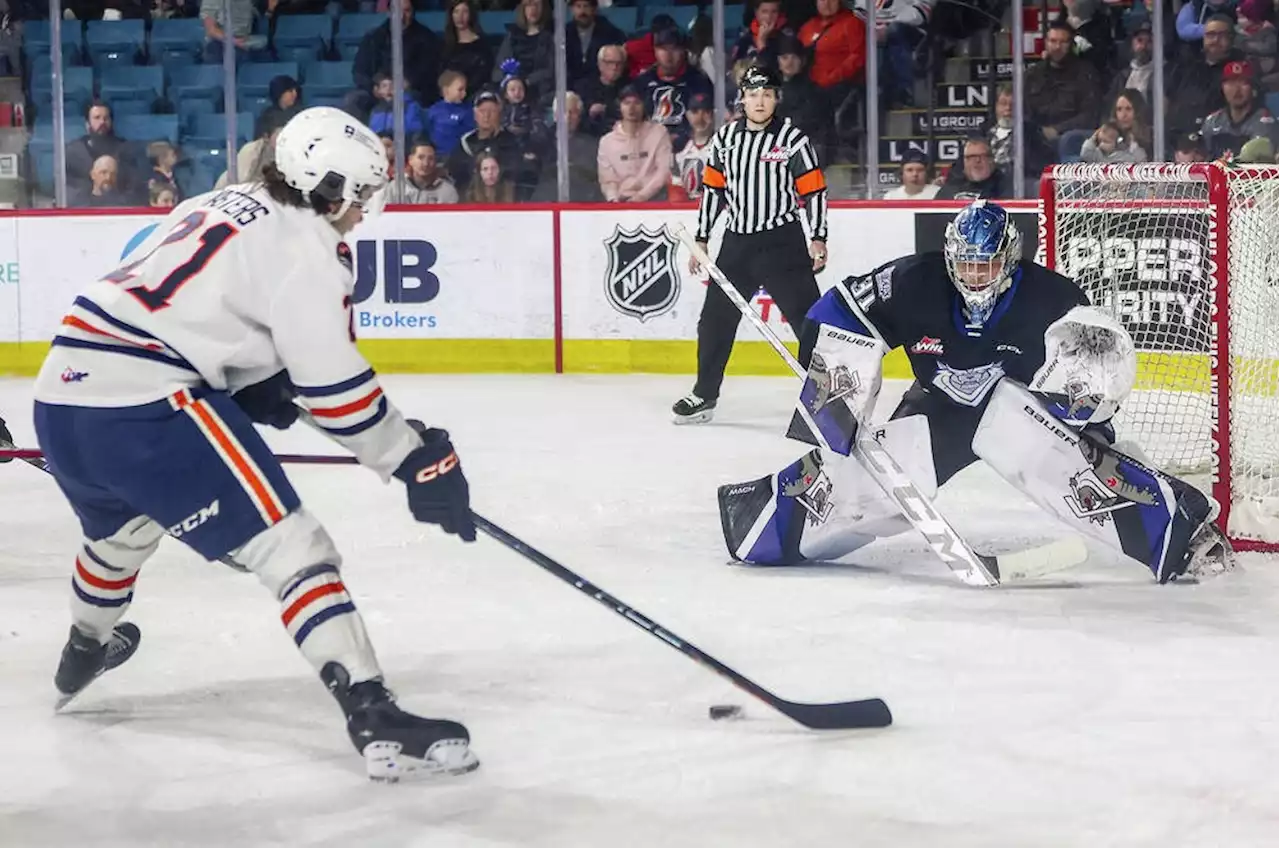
776	260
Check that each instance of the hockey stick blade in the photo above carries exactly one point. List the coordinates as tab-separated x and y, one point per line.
845	715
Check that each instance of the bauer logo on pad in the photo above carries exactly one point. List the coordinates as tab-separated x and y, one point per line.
642	279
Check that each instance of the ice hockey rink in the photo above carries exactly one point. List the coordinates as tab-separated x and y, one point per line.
1093	709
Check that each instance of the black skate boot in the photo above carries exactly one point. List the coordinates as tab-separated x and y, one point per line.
692	409
396	744
84	658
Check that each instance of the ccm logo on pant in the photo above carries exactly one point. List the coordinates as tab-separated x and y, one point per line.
194	520
437	469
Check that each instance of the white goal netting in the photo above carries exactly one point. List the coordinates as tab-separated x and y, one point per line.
1186	257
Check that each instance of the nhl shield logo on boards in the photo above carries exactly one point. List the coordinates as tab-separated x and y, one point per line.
642	280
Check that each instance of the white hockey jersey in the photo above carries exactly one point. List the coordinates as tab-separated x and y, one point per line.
228	290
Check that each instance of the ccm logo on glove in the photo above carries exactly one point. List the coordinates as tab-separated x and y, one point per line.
436	469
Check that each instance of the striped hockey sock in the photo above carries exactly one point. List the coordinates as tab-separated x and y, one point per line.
324	623
101	593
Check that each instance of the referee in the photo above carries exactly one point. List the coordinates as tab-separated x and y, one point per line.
761	168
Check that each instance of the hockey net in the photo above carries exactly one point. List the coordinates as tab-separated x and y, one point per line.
1185	256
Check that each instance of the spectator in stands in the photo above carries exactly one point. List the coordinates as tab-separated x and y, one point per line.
103	191
449	118
1137	76
162	196
466	50
1129	114
641	52
915	179
1256	38
801	100
382	117
692	159
900	27
670	83
1188	148
373	56
975	176
584	187
531	42
213	16
1093	42
99	140
163	158
517	112
1194	88
1242	119
489	183
999	134
599	93
583	38
702	49
1196	14
425	183
837	42
758	42
487	136
634	162
256	154
1108	146
286	101
1061	92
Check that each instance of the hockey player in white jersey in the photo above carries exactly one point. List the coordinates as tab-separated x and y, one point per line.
1012	367
235	308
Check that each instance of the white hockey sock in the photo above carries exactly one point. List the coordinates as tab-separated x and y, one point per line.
105	573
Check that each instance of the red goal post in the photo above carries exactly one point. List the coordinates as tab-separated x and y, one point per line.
1186	257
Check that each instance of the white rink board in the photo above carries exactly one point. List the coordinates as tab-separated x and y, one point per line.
491	275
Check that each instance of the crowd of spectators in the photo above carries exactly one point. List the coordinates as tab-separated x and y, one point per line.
479	110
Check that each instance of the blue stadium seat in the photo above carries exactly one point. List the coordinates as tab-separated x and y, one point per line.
433	21
254	104
176	41
189	108
682	15
77	83
41	156
328	79
1272	100
126	106
300	56
210	160
111	41
196	81
495	23
625	18
37	39
211	130
146	128
304	31
352	28
194	178
131	82
334	100
254	79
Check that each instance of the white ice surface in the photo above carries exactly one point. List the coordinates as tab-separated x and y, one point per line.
1101	711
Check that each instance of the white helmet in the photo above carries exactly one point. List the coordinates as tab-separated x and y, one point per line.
326	152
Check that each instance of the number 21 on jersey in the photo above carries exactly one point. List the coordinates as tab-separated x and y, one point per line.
210	241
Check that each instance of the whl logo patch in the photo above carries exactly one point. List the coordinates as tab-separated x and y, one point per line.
776	154
928	344
642	279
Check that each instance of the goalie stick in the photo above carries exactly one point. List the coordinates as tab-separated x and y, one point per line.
967	565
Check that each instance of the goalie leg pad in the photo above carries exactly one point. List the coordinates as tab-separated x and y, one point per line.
298	563
824	505
1088	485
840	390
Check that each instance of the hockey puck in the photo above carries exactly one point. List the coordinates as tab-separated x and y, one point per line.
723	711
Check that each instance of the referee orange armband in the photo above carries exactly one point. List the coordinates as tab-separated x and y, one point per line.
712	177
810	183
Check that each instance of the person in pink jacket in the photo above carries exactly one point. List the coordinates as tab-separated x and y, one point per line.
634	160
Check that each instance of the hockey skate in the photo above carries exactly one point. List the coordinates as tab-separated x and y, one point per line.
84	658
397	745
1208	552
692	409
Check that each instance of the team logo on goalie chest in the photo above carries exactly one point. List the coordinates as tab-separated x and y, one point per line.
928	344
642	279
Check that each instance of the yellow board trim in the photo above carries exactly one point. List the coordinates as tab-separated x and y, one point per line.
649	356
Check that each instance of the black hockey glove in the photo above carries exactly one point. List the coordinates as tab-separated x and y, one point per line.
6	440
438	492
270	402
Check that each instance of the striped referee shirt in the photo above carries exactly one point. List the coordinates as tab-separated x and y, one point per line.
761	177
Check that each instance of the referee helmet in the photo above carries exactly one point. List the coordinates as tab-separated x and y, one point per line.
757	76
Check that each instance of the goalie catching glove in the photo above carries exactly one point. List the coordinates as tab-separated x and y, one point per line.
438	493
1089	368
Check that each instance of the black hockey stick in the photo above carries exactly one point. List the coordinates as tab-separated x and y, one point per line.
844	715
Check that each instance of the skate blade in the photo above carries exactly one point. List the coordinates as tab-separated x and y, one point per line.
696	418
385	763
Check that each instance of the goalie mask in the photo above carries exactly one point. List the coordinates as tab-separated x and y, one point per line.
982	248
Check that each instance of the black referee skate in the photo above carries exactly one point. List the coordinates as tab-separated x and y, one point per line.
692	409
397	745
84	658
